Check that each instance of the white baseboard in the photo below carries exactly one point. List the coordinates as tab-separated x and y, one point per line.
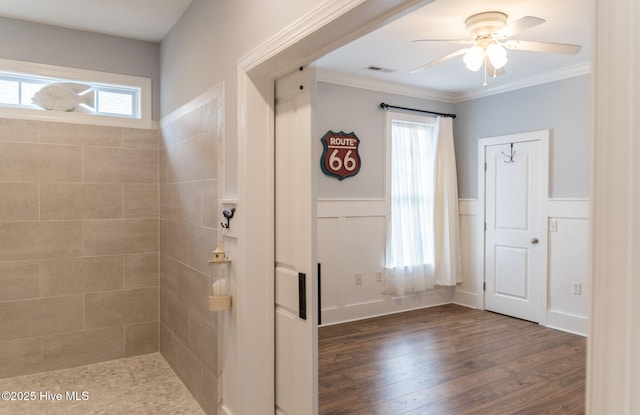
567	322
467	299
383	307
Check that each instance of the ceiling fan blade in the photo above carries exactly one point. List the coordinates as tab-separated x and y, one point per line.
518	26
440	60
548	47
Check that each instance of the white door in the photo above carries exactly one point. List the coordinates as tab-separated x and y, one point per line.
295	246
515	240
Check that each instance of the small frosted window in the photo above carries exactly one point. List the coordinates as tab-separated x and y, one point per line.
9	92
68	95
115	103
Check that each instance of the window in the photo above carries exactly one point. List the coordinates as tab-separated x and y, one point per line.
38	91
412	181
411	184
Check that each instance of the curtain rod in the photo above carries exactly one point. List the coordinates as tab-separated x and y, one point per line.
387	106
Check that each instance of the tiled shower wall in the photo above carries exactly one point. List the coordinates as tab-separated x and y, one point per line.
78	244
188	234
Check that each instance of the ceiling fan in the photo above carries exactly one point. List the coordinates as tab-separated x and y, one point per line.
490	40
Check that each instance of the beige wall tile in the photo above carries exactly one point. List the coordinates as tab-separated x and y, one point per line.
140	138
113	308
173	315
141	338
141	270
75	349
177	240
80	275
183	128
202	242
193	290
20	357
168	346
181	202
40	240
80	134
210	207
120	165
193	159
80	201
32	318
141	200
189	370
209	402
202	341
22	162
18	201
18	130
19	280
127	236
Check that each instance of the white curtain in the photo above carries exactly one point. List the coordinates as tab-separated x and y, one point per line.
423	236
448	255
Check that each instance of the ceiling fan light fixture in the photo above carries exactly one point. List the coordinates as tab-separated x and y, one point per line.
497	55
473	58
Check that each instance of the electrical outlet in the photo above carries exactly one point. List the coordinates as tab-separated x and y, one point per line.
577	288
379	276
553	226
358	278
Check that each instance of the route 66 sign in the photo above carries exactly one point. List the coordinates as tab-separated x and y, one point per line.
340	157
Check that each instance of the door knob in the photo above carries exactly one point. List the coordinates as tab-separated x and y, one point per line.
534	240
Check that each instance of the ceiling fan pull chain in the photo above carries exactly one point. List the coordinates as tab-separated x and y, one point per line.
484	84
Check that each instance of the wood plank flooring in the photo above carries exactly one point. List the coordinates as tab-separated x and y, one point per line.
450	360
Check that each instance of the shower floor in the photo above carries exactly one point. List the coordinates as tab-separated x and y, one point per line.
135	385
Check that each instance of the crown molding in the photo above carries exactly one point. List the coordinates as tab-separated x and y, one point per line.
540	79
324	75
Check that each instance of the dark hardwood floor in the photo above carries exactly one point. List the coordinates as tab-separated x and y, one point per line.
450	360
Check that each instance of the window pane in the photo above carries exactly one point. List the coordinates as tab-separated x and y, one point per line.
115	103
28	89
9	92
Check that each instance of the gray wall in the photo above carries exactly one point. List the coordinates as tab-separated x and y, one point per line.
341	108
562	107
40	43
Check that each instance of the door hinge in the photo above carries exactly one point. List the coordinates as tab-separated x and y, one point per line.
485	166
484	286
485	226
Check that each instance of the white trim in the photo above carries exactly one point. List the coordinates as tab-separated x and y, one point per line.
468	207
84	75
351	208
540	79
569	208
300	29
377	85
567	322
336	78
543	137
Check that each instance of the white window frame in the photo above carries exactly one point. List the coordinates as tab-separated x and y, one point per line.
84	76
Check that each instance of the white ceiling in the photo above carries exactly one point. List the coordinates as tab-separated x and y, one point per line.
567	21
148	20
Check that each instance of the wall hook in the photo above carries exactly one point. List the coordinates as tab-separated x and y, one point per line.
228	214
509	156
